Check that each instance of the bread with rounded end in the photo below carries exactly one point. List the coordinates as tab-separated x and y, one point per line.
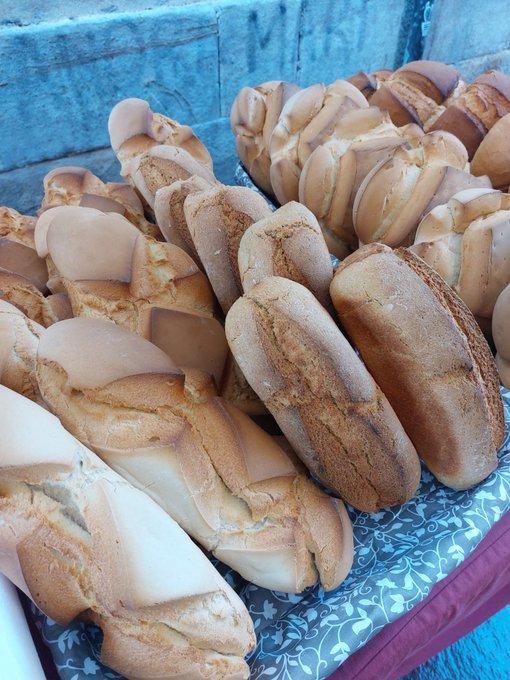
399	191
501	335
467	241
253	116
80	541
324	400
75	185
224	480
428	355
287	243
217	218
492	158
368	83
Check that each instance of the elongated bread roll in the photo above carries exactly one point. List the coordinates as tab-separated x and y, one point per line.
224	480
467	241
426	352
328	406
492	158
217	219
74	185
80	541
110	270
19	337
287	243
501	335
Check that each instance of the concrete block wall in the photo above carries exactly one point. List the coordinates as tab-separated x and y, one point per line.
64	64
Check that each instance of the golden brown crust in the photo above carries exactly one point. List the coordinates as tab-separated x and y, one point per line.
326	403
433	364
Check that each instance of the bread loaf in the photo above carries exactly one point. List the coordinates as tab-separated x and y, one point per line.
399	191
477	108
217	219
17	227
492	158
326	403
169	212
134	128
110	270
224	480
19	337
367	83
72	185
334	171
253	116
415	92
309	118
427	354
501	335
467	241
287	243
80	541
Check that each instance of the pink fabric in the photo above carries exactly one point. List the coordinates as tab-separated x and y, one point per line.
476	590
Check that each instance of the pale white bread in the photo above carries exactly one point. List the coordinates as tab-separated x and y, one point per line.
17	227
310	117
134	128
218	474
415	92
399	191
160	166
326	403
75	185
169	211
19	337
108	269
428	355
334	171
253	117
287	243
81	541
501	335
217	219
467	241
492	158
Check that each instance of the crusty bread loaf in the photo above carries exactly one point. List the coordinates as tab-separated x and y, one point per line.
424	349
309	118
287	243
334	171
253	116
368	83
333	414
17	227
74	185
399	191
81	541
492	158
415	92
217	219
467	241
19	337
134	128
501	335
169	212
476	109
224	480
110	270
22	293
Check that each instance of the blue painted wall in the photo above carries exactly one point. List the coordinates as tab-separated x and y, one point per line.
64	63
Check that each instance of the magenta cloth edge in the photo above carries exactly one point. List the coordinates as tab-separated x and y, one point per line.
473	592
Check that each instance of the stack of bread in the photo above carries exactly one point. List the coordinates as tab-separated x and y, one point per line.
154	318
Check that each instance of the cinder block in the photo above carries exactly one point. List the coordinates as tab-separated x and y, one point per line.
22	188
338	39
258	41
59	81
463	29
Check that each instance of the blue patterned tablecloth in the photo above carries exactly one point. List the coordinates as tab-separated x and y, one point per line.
400	554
